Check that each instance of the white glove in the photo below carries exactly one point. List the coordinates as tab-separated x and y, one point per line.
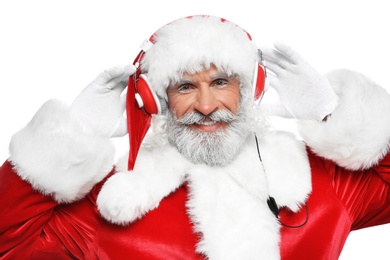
100	106
303	92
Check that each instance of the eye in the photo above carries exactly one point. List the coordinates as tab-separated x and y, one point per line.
185	88
220	82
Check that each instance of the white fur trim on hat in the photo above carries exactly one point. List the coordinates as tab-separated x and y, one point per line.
54	154
357	133
191	44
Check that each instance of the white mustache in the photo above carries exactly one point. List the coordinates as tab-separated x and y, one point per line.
198	118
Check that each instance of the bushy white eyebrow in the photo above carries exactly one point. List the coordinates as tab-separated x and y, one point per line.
184	81
219	75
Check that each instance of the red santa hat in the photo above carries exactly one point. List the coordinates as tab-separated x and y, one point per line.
193	43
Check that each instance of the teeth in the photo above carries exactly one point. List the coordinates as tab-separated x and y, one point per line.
209	123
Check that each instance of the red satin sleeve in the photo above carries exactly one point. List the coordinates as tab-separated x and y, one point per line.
341	201
23	213
34	226
366	194
383	168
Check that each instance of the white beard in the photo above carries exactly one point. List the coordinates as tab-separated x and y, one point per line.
214	149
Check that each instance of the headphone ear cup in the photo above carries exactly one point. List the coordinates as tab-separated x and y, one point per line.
259	82
149	100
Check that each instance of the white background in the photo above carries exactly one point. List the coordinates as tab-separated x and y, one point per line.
53	49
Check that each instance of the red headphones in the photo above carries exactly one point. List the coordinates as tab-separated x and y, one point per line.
142	101
146	99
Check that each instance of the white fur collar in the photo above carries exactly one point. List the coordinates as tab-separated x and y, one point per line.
227	204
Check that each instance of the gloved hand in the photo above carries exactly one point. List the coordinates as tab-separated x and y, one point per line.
303	92
100	106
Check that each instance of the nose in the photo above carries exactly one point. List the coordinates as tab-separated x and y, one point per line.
206	102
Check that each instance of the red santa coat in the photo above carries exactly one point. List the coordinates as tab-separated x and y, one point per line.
56	211
34	226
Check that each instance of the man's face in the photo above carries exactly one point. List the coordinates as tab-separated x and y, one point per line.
205	92
204	121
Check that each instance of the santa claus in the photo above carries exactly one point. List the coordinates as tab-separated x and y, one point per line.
206	176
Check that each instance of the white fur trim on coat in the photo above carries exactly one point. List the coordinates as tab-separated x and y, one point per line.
357	134
53	154
228	206
287	168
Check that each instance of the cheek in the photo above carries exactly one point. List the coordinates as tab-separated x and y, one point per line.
179	105
231	100
236	102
